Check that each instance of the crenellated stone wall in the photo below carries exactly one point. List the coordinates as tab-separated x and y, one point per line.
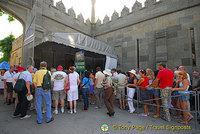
162	30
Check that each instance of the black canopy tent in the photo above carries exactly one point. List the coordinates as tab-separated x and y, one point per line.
60	48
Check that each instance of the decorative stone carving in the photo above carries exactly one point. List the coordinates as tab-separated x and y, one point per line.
115	15
61	6
106	19
98	22
137	6
88	22
71	12
149	3
125	11
80	17
50	2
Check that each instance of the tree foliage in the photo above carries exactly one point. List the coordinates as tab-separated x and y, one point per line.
10	18
6	47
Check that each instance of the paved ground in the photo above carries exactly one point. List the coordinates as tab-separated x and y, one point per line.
85	123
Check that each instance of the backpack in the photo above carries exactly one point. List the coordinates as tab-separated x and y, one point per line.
20	85
46	85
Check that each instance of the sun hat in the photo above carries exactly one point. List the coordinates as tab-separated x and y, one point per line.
29	97
108	72
133	71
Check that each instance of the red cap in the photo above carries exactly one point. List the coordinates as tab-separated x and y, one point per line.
59	67
21	68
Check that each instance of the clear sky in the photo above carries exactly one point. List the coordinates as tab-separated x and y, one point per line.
103	7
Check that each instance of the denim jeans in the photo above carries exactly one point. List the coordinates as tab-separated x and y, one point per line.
46	95
85	97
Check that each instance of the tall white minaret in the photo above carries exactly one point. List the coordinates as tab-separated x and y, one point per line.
93	11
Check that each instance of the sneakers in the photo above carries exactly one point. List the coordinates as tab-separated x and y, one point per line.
15	116
55	111
62	110
32	108
25	117
50	120
144	115
43	111
70	111
74	110
131	111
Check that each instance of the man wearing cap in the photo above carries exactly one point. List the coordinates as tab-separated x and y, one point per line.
165	77
15	77
59	78
22	105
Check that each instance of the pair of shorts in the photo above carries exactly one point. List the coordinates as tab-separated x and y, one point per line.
9	87
156	93
184	97
91	89
120	93
60	94
175	93
143	95
150	91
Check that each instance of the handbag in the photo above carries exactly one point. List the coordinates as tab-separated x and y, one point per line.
68	85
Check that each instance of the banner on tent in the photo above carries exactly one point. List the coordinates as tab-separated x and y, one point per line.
110	63
80	61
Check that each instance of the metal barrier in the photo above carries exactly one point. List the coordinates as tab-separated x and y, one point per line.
195	112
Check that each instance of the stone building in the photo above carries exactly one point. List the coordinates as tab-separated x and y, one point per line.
161	31
16	52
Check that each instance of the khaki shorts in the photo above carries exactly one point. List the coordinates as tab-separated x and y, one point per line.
121	93
60	94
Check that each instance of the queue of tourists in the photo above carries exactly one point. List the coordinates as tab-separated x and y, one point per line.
42	89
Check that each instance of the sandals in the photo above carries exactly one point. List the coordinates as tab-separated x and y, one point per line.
183	122
176	117
189	119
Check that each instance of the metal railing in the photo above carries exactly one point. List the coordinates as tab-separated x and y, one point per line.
196	94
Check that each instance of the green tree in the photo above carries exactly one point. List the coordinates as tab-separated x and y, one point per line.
10	18
6	47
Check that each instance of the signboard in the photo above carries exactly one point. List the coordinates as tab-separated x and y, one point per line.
80	61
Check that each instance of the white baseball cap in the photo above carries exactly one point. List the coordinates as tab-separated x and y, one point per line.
29	97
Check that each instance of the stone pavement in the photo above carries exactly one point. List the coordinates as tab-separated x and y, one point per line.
85	122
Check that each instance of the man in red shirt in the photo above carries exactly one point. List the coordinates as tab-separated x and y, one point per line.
165	78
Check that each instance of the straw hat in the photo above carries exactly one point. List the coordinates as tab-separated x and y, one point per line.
108	72
133	71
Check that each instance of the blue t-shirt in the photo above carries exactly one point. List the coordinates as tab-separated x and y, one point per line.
86	82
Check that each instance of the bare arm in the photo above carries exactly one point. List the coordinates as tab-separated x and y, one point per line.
66	81
134	83
5	86
28	87
185	84
78	81
140	81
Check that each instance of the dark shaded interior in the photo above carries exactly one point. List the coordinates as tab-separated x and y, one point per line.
58	54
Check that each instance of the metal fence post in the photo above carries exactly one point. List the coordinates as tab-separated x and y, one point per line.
138	99
195	111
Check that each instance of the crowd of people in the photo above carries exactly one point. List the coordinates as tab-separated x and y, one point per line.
163	87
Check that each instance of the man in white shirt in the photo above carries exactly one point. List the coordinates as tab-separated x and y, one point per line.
8	78
98	91
59	78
